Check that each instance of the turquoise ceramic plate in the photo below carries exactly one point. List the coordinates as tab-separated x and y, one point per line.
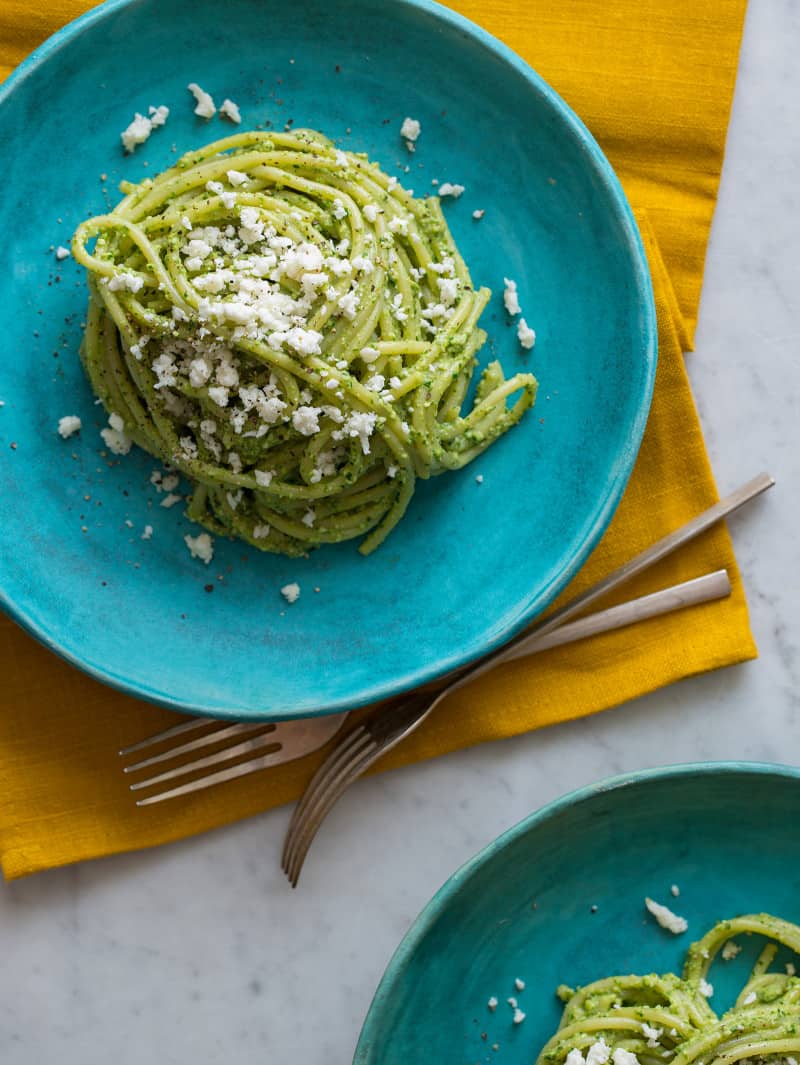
725	834
470	564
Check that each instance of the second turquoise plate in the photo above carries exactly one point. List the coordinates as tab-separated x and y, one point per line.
560	899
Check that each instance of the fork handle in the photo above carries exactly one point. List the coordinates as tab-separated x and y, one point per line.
703	589
400	721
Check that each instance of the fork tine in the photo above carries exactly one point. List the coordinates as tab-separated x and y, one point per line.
307	831
216	736
167	734
263	761
337	756
340	754
321	784
225	755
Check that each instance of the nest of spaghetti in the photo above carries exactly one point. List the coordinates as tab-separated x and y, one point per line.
296	334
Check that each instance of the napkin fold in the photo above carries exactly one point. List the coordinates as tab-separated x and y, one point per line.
653	79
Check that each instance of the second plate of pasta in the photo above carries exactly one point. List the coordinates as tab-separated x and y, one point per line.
620	925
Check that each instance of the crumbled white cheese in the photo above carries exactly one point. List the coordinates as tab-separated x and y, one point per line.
348	304
410	129
306	420
750	999
399	225
730	950
510	297
478	215
512	1002
621	1056
359	424
201	547
598	1053
219	395
393	183
260	532
706	989
136	133
199	372
68	425
651	1034
339	267
369	354
370	212
341	159
492	1003
148	532
158	116
230	110
479	479
309	518
62	252
263	477
675	890
448	189
115	437
448	289
575	1058
519	984
526	337
339	209
125	283
236	177
362	264
291	592
304	341
142	126
666	918
205	105
170	500
518	1017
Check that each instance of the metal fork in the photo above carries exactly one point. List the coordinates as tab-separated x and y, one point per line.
284	741
370	740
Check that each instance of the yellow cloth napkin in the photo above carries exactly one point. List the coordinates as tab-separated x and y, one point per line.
654	80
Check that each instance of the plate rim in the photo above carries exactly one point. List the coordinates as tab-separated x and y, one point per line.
440	666
431	911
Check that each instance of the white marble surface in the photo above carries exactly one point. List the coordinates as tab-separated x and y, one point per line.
198	953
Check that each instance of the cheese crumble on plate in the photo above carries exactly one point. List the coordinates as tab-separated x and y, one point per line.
291	592
666	918
68	425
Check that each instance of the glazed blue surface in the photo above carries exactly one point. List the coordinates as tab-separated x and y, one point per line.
470	564
724	833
